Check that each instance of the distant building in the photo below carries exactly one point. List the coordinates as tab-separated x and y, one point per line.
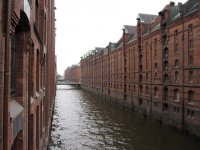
73	74
27	73
154	67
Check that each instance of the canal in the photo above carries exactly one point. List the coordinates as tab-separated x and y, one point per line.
82	121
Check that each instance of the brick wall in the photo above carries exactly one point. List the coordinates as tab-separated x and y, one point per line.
155	73
31	76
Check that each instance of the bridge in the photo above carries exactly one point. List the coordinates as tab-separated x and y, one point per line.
62	82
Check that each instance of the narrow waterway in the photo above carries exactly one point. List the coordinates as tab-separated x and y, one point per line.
82	121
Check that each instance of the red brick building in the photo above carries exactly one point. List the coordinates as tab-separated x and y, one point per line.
154	68
73	74
27	64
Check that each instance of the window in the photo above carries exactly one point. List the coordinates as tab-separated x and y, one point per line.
190	29
155	48
156	77
147	76
165	94
190	44
13	65
156	92
176	47
140	101
147	90
156	66
166	65
176	77
140	78
176	63
140	90
166	78
166	53
191	60
164	39
176	34
190	76
176	41
190	96
140	68
146	55
176	95
190	37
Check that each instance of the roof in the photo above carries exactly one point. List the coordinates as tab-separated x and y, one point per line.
119	43
146	18
130	29
132	37
190	6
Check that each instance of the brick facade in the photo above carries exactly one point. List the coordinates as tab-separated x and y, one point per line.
73	74
154	67
27	54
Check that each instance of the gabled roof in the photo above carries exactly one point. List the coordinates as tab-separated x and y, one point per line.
129	29
119	43
190	6
132	36
146	18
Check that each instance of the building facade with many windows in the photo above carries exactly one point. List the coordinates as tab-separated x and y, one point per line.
73	74
154	68
27	64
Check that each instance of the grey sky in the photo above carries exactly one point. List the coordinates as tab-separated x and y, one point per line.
83	25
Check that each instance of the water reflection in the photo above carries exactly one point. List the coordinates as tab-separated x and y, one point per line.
82	121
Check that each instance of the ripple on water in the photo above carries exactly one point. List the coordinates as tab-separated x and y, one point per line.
82	121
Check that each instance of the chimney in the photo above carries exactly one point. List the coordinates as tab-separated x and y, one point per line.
172	3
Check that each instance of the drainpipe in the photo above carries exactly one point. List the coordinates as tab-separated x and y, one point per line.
7	25
151	76
2	51
183	71
124	54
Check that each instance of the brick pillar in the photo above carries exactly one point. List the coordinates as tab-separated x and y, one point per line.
1	73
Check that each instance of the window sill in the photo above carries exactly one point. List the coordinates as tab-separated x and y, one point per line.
191	103
176	101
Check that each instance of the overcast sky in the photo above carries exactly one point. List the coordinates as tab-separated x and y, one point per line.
83	25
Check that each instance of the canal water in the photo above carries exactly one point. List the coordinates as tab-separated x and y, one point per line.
82	121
